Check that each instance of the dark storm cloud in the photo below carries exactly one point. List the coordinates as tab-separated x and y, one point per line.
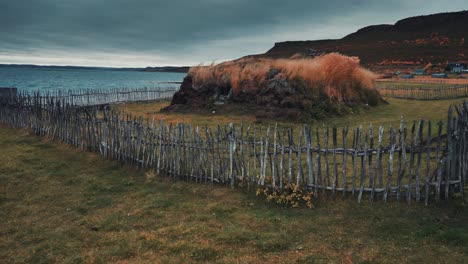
198	29
144	24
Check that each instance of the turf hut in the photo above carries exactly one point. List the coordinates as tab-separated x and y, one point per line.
312	87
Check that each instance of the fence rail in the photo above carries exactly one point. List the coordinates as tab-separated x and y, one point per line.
424	93
86	97
425	79
422	161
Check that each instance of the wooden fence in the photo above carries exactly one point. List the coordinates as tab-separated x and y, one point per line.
425	79
422	161
86	97
424	93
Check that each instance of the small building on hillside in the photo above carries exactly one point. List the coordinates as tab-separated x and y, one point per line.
456	67
439	75
419	72
407	76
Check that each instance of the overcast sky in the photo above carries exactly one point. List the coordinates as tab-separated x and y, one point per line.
138	33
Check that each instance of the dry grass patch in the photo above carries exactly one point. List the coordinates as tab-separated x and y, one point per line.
337	76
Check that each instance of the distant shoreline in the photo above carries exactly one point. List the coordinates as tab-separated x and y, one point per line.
177	69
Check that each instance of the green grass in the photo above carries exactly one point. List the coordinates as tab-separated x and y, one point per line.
389	114
414	85
386	114
61	205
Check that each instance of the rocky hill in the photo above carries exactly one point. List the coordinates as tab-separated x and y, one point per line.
436	38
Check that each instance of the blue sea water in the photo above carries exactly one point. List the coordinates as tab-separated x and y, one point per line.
37	79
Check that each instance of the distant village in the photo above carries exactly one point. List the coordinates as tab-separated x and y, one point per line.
436	71
456	69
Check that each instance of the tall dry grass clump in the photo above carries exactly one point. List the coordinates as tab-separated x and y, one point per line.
339	77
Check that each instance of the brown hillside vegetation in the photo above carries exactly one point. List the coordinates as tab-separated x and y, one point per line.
329	84
436	38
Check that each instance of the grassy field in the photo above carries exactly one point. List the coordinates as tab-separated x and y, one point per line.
422	91
61	205
452	79
415	85
386	114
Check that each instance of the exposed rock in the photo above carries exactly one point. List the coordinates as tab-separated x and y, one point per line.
272	73
189	96
288	102
280	86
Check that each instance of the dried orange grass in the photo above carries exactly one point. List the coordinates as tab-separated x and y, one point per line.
338	76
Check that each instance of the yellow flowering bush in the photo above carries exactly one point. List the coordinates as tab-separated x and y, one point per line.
290	196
